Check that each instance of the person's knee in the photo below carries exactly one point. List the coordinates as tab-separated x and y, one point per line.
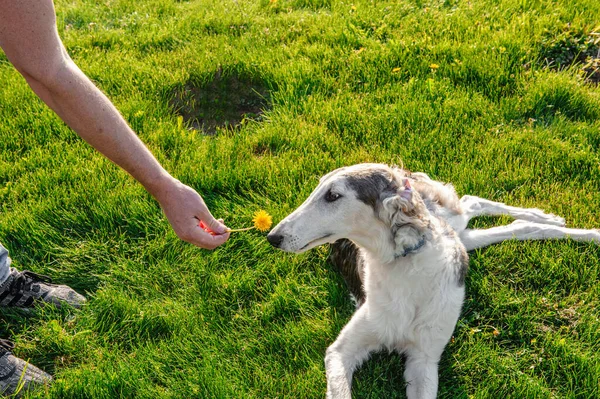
4	264
4	259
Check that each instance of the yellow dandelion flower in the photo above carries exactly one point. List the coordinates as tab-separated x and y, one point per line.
395	70
434	66
262	220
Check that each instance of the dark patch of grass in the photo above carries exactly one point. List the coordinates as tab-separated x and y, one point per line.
572	46
223	101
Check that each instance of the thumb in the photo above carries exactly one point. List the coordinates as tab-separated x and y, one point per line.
213	224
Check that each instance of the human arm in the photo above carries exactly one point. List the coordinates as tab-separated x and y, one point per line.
30	40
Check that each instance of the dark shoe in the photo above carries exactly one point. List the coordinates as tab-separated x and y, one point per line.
17	375
23	289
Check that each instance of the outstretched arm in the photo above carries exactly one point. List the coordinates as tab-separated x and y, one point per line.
30	40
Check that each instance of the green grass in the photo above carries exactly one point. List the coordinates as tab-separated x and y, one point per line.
347	83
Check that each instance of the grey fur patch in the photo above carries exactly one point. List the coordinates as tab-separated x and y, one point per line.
370	185
463	261
461	258
448	231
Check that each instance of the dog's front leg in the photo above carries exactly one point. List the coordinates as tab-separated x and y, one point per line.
421	373
349	350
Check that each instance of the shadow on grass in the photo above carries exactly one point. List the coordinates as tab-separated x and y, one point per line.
225	99
572	46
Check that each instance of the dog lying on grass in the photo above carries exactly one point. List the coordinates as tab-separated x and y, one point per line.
404	257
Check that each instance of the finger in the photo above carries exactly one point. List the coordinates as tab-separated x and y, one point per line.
204	227
207	240
213	224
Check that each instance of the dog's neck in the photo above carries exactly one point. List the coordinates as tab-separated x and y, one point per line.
410	238
403	243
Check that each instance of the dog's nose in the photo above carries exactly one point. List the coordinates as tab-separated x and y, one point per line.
275	240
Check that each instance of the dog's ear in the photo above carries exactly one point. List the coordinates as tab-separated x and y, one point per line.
406	192
398	198
405	213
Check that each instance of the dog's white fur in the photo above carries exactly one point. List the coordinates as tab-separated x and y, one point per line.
412	234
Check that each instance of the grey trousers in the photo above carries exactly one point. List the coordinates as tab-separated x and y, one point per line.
4	264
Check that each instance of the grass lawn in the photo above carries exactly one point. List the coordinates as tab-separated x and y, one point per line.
250	102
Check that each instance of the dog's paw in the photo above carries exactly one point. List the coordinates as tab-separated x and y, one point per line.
555	220
539	216
517	222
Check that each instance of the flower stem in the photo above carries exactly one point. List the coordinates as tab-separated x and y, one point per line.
244	229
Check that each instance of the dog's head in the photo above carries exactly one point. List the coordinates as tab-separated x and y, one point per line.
373	205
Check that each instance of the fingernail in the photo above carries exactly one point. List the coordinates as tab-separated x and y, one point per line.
223	229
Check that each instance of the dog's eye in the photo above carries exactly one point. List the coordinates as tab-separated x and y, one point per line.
331	196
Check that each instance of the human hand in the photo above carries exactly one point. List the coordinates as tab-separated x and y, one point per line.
190	218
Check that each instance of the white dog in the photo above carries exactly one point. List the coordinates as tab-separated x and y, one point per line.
408	273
